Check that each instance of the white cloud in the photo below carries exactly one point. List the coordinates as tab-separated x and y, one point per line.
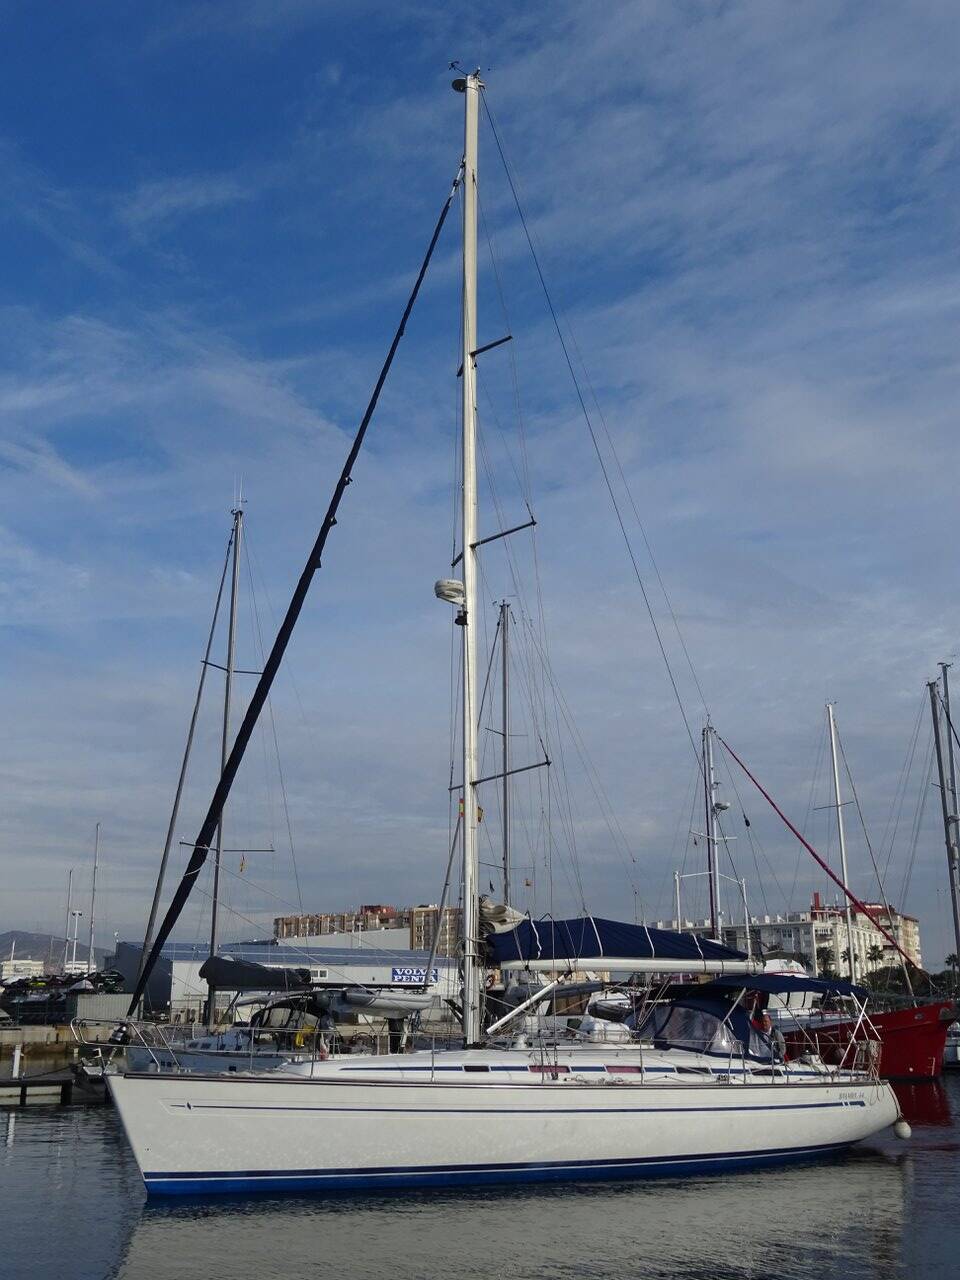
159	203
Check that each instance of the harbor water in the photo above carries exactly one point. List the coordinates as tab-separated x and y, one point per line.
73	1206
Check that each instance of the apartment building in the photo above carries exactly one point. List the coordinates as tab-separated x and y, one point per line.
375	925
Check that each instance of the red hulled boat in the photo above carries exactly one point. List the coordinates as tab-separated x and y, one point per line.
911	1040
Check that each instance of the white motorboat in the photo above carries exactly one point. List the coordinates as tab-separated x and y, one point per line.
488	1112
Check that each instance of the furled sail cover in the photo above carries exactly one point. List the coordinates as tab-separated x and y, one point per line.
245	975
497	917
597	942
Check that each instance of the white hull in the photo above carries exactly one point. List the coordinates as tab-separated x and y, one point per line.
236	1134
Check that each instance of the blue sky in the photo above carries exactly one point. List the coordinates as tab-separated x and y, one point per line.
211	214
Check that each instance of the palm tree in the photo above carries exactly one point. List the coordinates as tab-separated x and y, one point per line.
875	955
825	960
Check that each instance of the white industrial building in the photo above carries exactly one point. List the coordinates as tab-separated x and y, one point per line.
176	988
355	940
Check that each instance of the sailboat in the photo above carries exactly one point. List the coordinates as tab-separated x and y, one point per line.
501	1108
909	1041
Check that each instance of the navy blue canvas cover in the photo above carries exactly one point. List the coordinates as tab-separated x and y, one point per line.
244	975
782	983
594	938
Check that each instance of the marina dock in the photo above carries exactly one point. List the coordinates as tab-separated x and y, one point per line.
58	1088
38	1068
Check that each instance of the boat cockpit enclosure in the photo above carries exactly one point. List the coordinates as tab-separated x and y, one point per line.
702	1024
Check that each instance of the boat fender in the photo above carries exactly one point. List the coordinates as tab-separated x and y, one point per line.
902	1129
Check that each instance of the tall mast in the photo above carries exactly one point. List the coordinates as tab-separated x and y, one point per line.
954	809
184	764
76	938
746	919
950	820
710	807
66	931
676	899
225	741
91	962
951	762
469	86
505	727
840	835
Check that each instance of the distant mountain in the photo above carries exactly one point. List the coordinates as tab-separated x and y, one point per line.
42	946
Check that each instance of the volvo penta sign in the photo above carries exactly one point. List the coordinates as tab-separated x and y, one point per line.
412	976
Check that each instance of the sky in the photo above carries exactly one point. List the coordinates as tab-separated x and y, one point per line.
211	216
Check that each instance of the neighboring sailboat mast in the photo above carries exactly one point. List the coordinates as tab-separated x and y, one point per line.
66	929
91	961
178	795
713	839
470	86
225	743
505	730
951	822
851	964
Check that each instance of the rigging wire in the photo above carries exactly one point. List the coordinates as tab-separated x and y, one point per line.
204	667
640	525
314	559
811	796
857	902
866	837
756	848
691	794
541	640
305	952
533	679
276	743
900	791
565	811
592	432
926	785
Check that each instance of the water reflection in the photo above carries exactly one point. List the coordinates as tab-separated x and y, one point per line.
842	1219
926	1104
72	1204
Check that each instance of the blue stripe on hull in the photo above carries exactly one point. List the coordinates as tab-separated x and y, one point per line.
337	1180
517	1110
